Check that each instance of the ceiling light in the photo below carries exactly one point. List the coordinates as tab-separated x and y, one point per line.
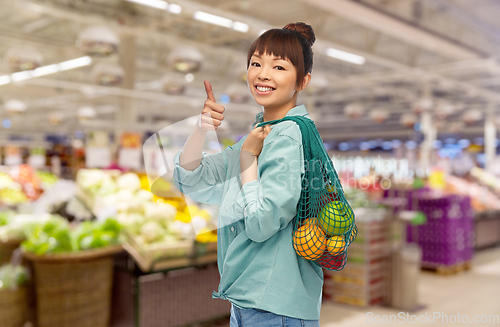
221	21
22	58
152	3
174	9
85	113
185	59
173	83
5	79
213	19
15	107
75	63
98	41
21	76
345	56
108	74
241	27
46	70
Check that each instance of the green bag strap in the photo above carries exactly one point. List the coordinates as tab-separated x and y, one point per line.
311	140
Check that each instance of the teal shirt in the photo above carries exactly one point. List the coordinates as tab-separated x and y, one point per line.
257	263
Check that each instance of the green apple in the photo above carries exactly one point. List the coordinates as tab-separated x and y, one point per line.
336	218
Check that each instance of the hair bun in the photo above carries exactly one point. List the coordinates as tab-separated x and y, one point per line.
304	29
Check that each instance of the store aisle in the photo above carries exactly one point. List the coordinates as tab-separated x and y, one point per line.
470	293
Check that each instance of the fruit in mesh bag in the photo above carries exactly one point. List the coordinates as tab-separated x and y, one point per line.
336	218
335	245
309	241
331	194
334	263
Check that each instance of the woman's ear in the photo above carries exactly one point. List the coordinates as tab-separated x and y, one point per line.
305	82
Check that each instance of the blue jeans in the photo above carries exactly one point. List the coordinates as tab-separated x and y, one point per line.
257	317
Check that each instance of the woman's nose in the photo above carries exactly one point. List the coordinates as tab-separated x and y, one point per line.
264	75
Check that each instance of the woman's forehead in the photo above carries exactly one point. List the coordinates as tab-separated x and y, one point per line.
275	57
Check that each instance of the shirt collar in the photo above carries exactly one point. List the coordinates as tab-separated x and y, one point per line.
299	110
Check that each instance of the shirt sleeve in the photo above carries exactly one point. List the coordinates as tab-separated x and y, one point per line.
206	183
268	204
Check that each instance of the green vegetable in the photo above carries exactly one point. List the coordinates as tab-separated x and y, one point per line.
93	235
13	276
5	217
56	237
52	237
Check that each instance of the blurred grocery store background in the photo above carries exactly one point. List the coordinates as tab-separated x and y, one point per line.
97	96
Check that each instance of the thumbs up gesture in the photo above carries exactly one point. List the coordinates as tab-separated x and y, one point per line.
211	116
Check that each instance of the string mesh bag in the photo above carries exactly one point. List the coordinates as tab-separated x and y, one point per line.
324	226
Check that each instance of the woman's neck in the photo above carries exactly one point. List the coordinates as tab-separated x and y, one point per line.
277	113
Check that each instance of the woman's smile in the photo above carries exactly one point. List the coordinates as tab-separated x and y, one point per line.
263	89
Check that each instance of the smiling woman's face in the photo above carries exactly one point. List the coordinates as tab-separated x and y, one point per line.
272	81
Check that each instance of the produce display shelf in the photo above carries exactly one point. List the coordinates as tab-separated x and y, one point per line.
487	229
149	265
160	293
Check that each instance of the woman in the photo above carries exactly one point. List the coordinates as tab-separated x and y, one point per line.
257	182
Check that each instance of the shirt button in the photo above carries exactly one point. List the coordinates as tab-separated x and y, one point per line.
232	229
226	209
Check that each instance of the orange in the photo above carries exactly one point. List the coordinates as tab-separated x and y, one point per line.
310	220
352	237
309	241
335	245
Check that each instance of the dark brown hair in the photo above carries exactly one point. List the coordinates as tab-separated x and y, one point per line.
292	42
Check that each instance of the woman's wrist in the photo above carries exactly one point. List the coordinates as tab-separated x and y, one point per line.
248	167
198	127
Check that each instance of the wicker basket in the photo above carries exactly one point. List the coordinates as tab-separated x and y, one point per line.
74	289
6	250
13	307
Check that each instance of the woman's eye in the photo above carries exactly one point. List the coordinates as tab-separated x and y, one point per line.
280	68
255	64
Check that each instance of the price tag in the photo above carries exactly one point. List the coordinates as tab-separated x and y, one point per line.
97	157
130	158
36	161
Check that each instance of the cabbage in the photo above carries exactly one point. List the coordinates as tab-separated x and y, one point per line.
131	221
182	230
169	238
152	232
108	186
129	181
144	195
125	195
162	213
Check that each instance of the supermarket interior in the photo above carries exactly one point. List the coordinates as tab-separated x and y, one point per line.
98	96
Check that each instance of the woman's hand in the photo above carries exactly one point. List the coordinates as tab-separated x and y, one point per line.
255	140
211	116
